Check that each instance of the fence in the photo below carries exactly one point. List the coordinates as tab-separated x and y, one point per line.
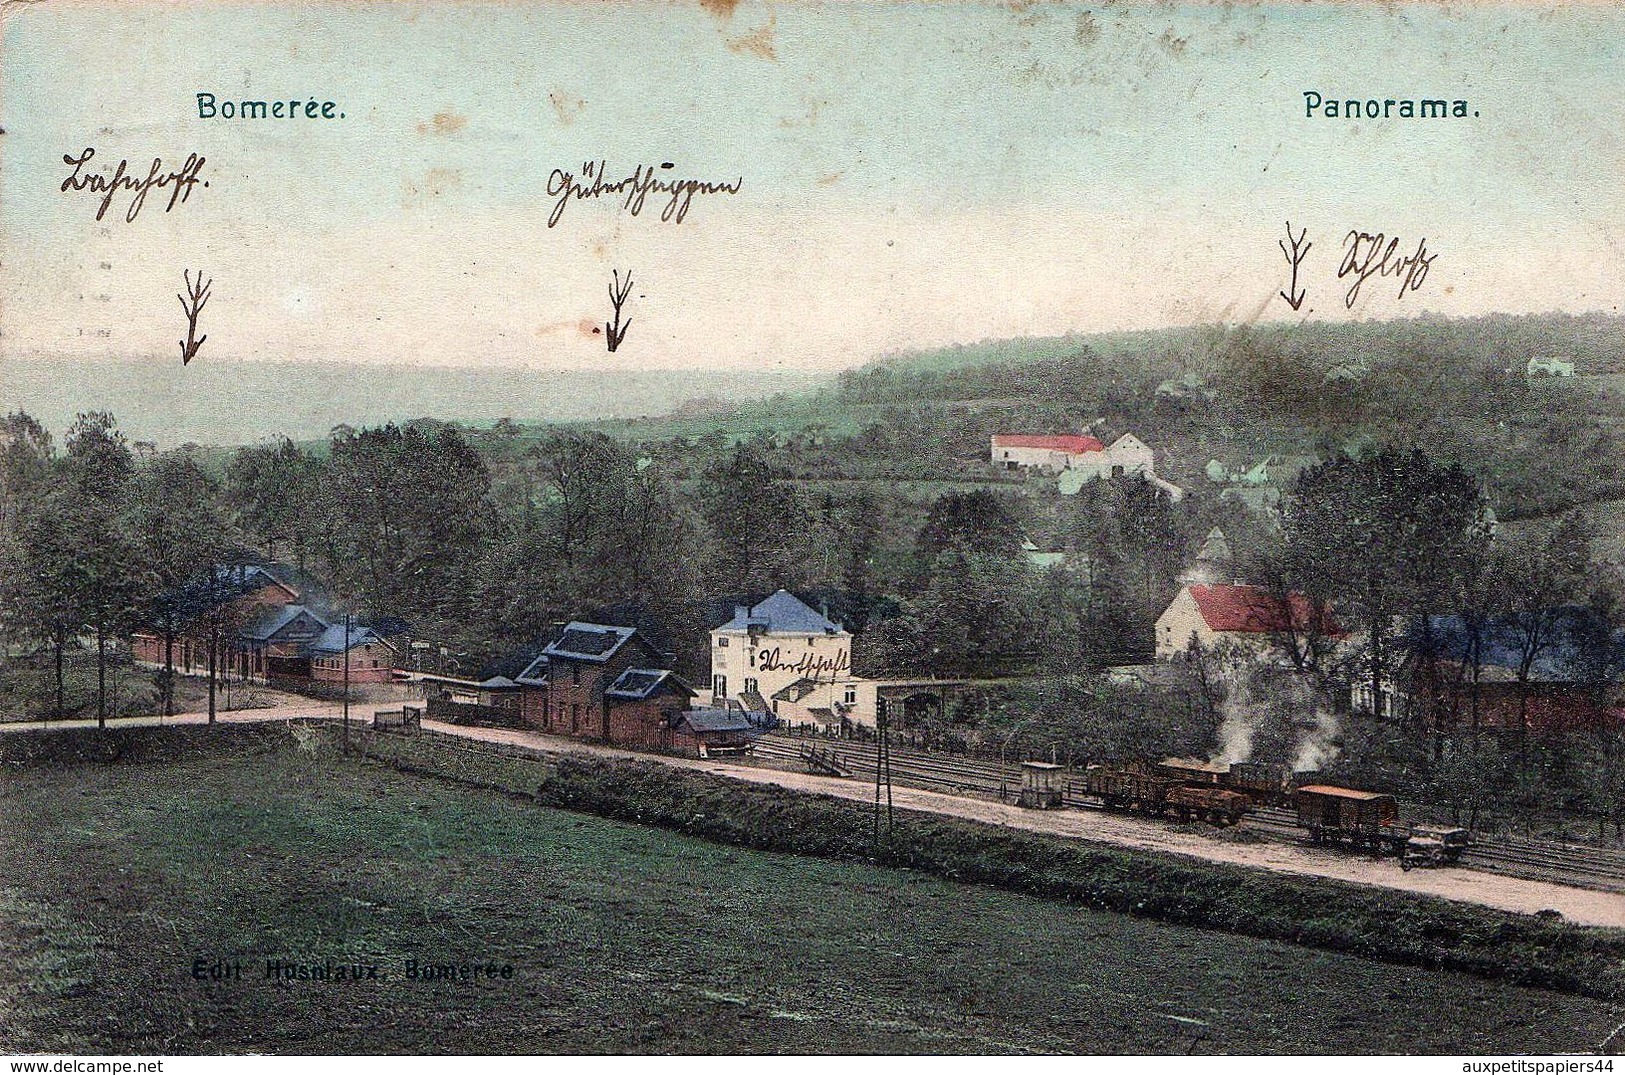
449	712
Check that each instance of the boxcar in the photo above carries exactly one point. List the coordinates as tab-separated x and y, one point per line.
1344	815
1191	771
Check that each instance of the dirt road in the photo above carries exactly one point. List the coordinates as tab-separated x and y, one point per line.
1580	905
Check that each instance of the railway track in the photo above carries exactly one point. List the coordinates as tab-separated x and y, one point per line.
1567	864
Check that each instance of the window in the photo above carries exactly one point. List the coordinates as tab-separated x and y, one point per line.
851	695
719	686
722	642
750	686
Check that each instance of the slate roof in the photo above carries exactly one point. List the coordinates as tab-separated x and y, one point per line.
1073	443
641	683
782	613
1250	610
333	639
209	590
273	620
1569	651
535	674
715	720
796	691
593	642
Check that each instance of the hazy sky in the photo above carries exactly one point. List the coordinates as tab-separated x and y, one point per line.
912	174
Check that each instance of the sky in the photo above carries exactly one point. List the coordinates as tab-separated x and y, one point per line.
911	174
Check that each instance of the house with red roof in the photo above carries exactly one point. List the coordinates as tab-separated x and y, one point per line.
1079	458
1208	614
1013	450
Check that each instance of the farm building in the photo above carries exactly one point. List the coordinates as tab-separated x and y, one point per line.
1088	457
1015	450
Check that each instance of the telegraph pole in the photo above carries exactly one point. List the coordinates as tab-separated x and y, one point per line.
882	778
346	703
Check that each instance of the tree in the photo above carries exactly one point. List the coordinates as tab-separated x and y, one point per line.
978	520
1541	573
272	490
102	560
1381	537
176	517
753	516
26	458
400	518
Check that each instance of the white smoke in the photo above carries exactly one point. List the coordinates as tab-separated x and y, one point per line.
1239	717
1317	743
1249	703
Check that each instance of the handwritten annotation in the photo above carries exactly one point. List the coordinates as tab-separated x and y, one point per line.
1367	255
633	189
182	181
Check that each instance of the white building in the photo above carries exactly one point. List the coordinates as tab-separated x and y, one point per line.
1080	459
1252	620
784	656
770	645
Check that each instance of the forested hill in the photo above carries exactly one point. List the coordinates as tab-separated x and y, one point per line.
1456	387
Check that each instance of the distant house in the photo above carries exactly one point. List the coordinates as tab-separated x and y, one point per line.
1213	562
1187	387
1079	459
1043	559
1548	366
1208	615
1015	450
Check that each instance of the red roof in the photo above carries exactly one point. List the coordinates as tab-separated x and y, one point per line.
1075	444
1251	610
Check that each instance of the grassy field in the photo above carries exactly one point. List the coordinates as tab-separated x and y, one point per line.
115	877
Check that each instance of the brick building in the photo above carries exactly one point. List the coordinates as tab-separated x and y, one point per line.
566	688
371	658
644	706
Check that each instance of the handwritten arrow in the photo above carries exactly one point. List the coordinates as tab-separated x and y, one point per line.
1294	295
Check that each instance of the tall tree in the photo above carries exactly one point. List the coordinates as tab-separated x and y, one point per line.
177	518
1382	537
